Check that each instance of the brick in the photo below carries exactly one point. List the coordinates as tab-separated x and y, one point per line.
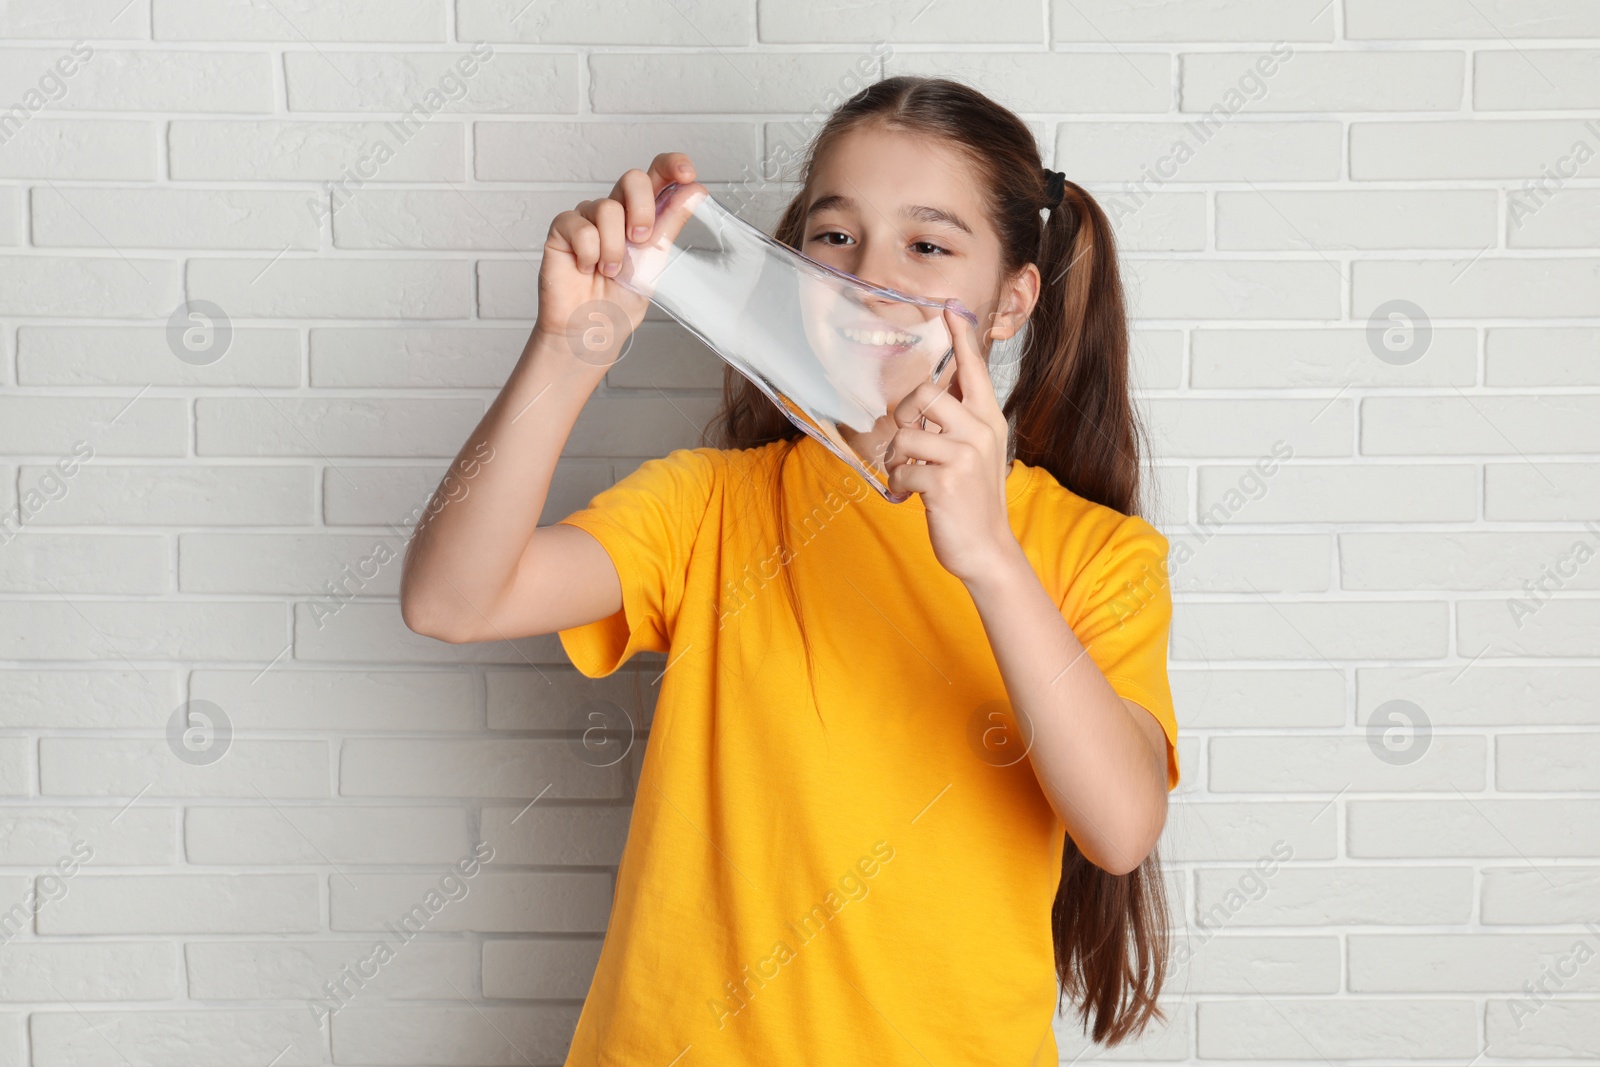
75	18
1525	493
454	1036
1322	221
1466	561
58	629
1196	427
1459	149
300	834
117	834
1337	896
358	20
588	151
375	632
178	1038
1343	1029
1233	289
1474	826
115	79
1564	627
1471	19
1513	80
714	23
93	699
1227	963
84	563
1327	81
1546	763
327	80
355	564
188	495
1325	492
564	836
1243	563
1275	358
1570	218
519	768
331	288
1533	356
741	82
1331	764
561	699
140	356
451	219
73	972
173	218
1218	697
1011	21
16	760
491	902
533	969
1568	1028
283	970
1057	82
110	287
1312	630
1534	895
388	358
291	426
1464	963
1483	694
123	767
346	152
1096	21
185	904
1155	154
1225	831
341	701
83	149
1458	425
110	426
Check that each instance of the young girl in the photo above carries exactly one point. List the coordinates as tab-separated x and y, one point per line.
909	761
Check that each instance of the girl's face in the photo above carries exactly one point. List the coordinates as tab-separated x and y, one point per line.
903	211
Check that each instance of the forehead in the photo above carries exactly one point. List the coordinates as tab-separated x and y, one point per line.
883	169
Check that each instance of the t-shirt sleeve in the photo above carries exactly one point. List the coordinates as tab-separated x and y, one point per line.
648	523
1124	621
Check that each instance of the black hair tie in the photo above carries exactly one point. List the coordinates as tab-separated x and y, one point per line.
1055	187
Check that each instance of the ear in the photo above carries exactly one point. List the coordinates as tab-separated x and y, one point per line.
1014	303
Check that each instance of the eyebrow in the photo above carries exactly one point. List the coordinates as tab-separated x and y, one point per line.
916	212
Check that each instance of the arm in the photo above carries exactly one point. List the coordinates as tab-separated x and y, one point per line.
478	566
1100	758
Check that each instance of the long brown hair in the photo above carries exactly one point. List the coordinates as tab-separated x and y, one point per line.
1071	414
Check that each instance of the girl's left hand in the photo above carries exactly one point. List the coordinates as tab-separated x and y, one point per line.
963	477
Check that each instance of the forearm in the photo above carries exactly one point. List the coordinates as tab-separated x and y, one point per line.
1093	759
466	547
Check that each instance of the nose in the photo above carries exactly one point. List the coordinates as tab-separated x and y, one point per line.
878	262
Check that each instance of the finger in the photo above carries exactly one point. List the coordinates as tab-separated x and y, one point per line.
670	167
609	220
579	237
638	196
934	403
972	385
913	477
910	444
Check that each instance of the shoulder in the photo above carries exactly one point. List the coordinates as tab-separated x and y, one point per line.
1082	541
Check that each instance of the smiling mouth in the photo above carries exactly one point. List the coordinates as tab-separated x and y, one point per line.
880	338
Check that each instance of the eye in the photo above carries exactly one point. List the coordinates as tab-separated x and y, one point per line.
928	248
825	234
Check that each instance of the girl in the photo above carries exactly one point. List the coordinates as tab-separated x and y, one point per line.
909	761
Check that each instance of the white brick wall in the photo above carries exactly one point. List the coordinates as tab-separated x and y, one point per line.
228	531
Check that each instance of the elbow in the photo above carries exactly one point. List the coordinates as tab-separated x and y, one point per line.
1125	849
425	616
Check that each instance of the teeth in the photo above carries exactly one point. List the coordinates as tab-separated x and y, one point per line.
879	337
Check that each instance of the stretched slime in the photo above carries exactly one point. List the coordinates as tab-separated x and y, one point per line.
834	352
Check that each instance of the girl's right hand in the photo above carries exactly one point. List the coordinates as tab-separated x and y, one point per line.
581	307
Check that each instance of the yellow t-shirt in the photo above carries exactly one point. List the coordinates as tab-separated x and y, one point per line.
859	885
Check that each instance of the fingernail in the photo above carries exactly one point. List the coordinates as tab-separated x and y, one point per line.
610	269
641	232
